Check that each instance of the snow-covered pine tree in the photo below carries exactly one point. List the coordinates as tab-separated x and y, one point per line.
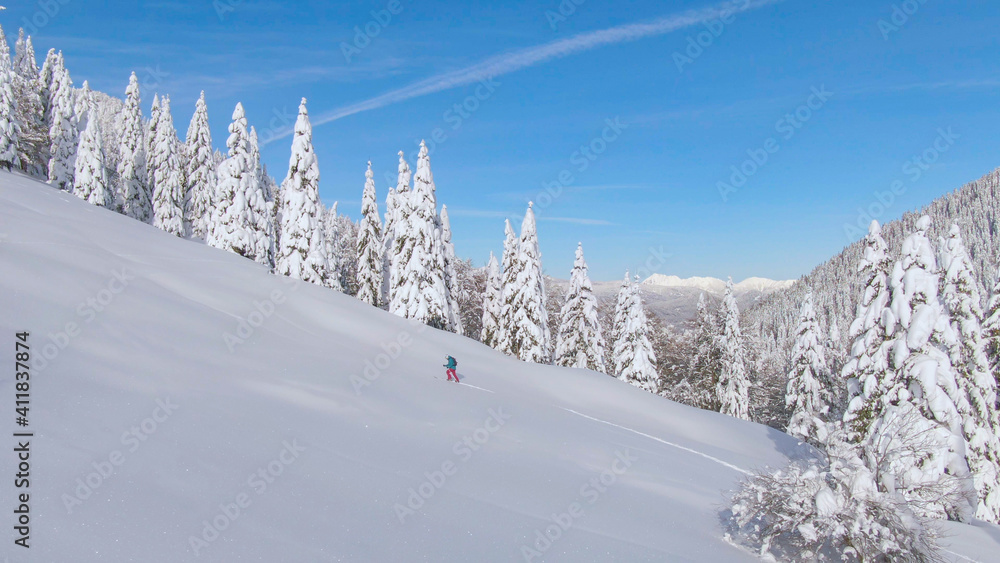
63	133
450	273
33	142
418	290
302	254
239	196
836	356
395	207
619	315
525	317
492	304
867	371
733	389
706	362
808	393
200	177
10	129
46	82
580	341
261	201
370	245
154	121
90	177
991	331
165	170
333	237
509	275
635	360
919	413
82	105
980	423
133	192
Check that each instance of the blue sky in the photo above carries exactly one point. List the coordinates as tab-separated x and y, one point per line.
895	93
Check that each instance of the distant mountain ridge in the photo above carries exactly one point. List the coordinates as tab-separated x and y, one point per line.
717	286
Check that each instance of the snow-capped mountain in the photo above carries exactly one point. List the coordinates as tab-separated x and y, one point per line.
717	286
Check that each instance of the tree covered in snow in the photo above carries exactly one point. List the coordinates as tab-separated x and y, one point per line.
922	401
829	512
492	304
200	177
524	322
302	252
165	171
240	221
10	130
706	360
133	192
63	134
991	330
90	178
341	243
154	120
395	208
733	388
370	245
867	372
417	287
980	423
509	272
580	340
450	272
635	361
808	392
33	134
46	82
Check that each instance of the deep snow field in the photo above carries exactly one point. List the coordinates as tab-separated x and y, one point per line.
239	416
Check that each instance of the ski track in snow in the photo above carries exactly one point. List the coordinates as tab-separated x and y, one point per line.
678	446
960	555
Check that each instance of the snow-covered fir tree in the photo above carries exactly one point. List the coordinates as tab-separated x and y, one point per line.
450	272
33	141
919	413
991	330
46	82
90	178
733	388
240	222
867	372
302	253
510	272
980	422
417	288
395	206
492	304
333	236
526	334
635	361
165	171
706	358
133	192
808	393
154	120
580	340
63	134
10	130
200	177
370	245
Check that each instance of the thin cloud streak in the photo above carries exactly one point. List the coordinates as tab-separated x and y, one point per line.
506	63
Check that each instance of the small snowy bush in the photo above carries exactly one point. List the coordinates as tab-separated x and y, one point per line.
831	513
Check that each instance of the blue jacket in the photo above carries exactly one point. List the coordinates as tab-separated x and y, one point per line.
452	363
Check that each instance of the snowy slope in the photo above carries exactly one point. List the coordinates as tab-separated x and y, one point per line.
151	314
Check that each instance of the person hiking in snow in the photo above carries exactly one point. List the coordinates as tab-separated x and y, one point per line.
451	365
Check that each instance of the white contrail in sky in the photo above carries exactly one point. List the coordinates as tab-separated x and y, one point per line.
516	60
